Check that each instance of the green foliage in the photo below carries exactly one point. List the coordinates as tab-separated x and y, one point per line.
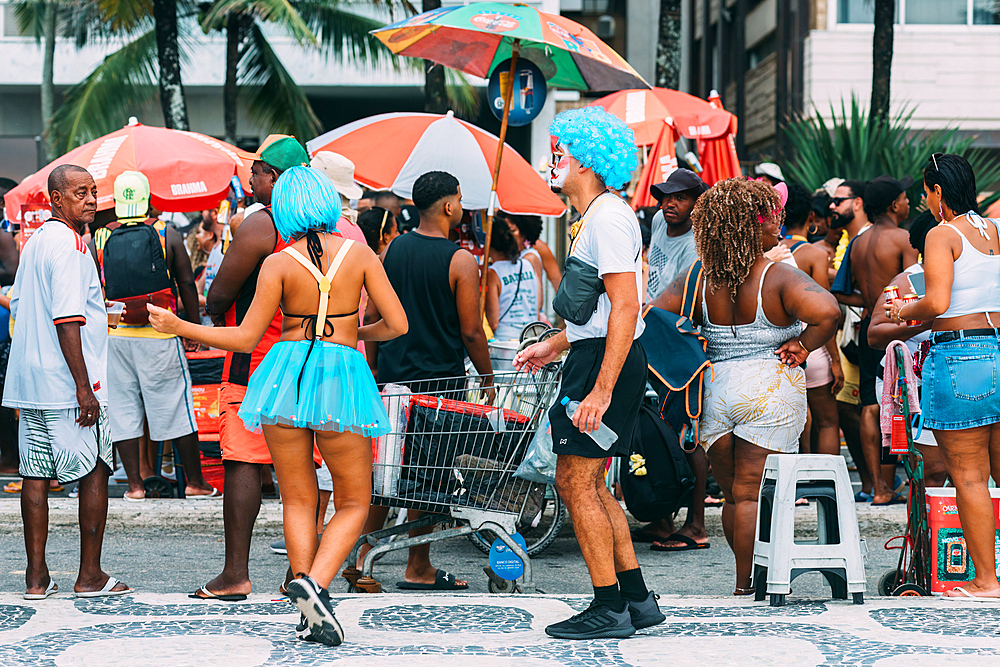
101	103
850	147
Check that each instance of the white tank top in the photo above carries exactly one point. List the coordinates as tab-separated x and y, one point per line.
976	287
518	297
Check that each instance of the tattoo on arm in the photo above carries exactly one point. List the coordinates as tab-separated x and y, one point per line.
811	286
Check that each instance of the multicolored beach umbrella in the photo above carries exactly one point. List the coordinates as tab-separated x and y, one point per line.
474	38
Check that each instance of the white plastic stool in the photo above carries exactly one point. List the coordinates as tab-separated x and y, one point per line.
839	550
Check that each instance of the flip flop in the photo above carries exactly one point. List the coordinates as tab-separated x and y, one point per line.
969	597
104	592
209	595
51	589
129	499
214	494
444	581
689	544
896	500
639	535
863	497
13	487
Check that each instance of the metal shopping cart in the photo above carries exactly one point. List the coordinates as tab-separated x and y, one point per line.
451	454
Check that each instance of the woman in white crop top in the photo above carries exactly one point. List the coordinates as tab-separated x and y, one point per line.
960	401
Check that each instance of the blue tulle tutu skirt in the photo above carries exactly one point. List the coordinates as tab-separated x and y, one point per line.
337	391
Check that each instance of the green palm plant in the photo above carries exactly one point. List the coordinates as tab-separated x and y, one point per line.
851	145
126	79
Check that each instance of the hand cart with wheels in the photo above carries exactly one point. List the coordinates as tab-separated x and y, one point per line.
912	574
451	455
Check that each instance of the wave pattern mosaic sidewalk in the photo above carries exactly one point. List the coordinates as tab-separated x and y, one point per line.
493	631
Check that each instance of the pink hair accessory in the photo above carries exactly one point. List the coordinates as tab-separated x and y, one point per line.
782	191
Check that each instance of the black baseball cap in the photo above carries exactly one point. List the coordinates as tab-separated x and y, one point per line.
681	180
882	191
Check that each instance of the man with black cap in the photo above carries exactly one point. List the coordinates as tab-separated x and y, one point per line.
876	257
671	246
672	251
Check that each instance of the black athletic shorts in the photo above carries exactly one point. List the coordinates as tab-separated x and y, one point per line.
868	363
579	375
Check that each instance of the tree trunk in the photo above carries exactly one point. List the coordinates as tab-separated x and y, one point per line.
885	11
229	90
172	100
668	45
47	89
435	90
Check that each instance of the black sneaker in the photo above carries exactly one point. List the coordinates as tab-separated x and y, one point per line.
314	602
596	622
302	630
645	614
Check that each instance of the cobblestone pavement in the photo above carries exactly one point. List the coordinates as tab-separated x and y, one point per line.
494	631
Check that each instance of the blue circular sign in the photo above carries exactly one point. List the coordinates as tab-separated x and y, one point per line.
528	94
505	563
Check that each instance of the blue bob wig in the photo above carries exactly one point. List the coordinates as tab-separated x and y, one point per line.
304	199
599	141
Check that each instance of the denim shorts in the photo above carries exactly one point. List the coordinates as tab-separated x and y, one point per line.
960	384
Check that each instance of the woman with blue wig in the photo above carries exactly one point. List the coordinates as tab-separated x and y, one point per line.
313	384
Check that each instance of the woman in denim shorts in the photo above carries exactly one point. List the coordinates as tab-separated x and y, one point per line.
960	401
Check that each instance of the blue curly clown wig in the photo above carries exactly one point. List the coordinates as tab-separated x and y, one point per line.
599	141
304	199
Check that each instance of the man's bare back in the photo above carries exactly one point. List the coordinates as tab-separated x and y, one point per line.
877	256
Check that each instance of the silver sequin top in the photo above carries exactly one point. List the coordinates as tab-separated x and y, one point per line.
757	340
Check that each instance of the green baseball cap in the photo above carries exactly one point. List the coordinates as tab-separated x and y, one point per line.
131	194
281	152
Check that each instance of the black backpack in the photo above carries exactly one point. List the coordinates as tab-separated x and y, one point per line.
134	267
658	481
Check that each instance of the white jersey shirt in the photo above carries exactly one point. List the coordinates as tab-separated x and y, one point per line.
56	282
610	240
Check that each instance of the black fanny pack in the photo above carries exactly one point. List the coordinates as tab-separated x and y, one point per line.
581	287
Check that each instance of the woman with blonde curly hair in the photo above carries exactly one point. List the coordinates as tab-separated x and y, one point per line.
752	312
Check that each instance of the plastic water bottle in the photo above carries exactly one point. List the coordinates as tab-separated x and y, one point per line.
602	435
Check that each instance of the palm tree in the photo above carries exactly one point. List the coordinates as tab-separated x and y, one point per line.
885	16
668	45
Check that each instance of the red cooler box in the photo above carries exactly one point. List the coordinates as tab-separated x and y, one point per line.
950	562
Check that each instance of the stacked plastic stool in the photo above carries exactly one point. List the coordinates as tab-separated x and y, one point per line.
838	552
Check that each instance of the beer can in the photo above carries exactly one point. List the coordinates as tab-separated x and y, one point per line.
910	298
891	294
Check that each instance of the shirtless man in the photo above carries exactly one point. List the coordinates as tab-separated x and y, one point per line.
824	377
876	257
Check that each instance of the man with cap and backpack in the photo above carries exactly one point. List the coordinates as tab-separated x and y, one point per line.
142	260
671	253
245	453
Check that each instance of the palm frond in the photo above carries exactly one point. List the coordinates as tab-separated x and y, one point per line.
30	17
342	32
463	97
121	16
274	100
849	146
281	12
102	103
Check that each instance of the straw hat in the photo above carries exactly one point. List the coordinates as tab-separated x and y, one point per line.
340	171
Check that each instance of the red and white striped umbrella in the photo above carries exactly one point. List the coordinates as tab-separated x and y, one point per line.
390	151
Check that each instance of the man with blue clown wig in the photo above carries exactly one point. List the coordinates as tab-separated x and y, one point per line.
604	375
598	141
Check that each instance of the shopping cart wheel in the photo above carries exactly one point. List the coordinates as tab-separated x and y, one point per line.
157	487
777	599
889	582
539	536
496	584
367	585
910	591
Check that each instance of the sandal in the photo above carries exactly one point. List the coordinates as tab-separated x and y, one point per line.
744	591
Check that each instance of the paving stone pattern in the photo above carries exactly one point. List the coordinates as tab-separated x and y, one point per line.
498	631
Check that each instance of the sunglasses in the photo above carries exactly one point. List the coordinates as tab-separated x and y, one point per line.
934	157
837	201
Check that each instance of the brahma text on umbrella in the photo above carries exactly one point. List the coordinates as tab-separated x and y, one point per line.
104	155
195	188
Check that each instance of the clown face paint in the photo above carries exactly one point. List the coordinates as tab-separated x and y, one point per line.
559	167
